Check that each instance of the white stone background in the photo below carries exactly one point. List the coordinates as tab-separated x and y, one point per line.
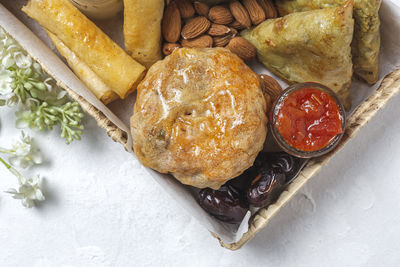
103	209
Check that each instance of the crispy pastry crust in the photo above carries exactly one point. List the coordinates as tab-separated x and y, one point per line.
200	115
142	30
366	43
309	46
109	61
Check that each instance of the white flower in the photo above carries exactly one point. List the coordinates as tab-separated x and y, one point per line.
36	66
22	61
5	42
24	154
22	147
12	48
29	191
6	92
7	61
5	82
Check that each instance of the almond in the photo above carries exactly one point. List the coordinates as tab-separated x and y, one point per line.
201	8
171	23
270	86
256	12
269	8
236	24
185	8
240	13
195	27
220	15
221	41
199	42
243	48
218	30
234	32
168	48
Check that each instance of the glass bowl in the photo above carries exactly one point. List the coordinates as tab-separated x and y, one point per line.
281	141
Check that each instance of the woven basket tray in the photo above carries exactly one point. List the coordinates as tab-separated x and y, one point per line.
360	117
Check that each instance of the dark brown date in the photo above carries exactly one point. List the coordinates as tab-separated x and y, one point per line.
290	165
225	204
266	186
262	185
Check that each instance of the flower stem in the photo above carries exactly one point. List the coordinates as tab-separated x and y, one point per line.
13	171
5	163
5	151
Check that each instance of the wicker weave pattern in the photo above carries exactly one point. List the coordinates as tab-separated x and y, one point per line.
361	116
112	130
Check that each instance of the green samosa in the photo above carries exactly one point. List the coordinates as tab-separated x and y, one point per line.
311	46
366	43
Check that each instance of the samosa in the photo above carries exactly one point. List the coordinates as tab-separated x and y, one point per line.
311	46
366	43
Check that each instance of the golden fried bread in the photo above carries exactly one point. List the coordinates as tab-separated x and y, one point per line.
200	115
142	30
105	58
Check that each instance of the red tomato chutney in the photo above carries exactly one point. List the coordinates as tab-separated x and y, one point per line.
308	119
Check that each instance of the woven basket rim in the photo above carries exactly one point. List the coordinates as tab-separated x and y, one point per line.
361	116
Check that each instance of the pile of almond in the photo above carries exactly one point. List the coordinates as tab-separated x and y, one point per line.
197	25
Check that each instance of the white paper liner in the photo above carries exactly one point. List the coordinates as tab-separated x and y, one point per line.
120	111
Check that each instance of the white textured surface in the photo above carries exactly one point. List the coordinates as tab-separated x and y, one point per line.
102	209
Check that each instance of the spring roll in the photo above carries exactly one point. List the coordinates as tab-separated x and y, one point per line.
110	62
142	30
84	72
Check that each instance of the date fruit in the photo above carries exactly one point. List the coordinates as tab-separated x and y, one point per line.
266	186
289	164
225	204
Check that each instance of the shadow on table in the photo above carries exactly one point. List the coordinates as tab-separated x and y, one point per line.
326	196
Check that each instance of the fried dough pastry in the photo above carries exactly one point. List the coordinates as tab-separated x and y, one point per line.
309	46
84	72
366	43
142	30
199	115
108	61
